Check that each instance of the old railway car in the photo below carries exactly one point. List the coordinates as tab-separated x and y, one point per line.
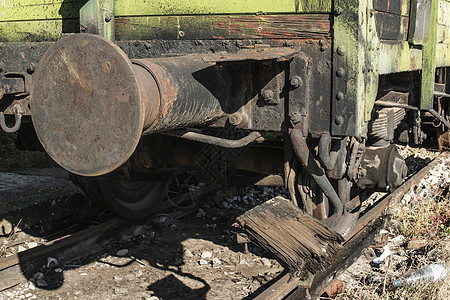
125	94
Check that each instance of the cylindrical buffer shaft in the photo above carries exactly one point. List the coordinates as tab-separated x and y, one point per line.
90	104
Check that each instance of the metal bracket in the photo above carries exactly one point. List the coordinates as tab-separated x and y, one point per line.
15	84
97	17
18	120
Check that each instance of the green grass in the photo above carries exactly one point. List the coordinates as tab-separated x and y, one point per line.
12	159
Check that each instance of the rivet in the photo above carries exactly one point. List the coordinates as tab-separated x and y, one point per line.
340	96
295	117
340	72
31	67
338	11
340	50
296	81
108	19
267	95
339	120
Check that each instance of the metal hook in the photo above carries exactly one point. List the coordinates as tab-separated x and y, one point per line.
18	118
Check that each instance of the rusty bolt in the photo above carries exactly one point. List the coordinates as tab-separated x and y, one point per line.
340	96
295	117
31	67
339	120
296	81
340	72
268	95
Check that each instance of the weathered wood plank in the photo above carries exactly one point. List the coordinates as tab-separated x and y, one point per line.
297	239
224	27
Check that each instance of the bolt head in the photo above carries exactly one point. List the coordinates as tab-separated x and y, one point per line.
340	51
296	81
340	96
339	120
267	95
340	72
295	117
31	67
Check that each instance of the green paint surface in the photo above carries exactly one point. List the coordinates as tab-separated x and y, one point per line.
200	7
442	55
27	10
355	36
31	20
429	62
399	57
37	31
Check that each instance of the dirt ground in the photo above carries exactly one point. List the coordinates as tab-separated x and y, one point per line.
197	256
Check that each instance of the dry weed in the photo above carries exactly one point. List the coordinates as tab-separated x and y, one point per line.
424	216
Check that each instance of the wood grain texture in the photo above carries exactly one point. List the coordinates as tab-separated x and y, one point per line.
224	27
295	238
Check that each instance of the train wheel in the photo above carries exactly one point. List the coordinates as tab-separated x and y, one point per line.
132	199
128	199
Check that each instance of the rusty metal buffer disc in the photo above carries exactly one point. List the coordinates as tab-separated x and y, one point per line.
86	105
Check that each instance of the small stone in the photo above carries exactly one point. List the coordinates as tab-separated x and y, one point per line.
201	213
21	248
206	254
41	283
83	274
118	278
203	262
138	273
31	285
416	244
122	252
266	262
120	291
31	244
188	253
216	262
58	270
52	262
243	262
28	295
